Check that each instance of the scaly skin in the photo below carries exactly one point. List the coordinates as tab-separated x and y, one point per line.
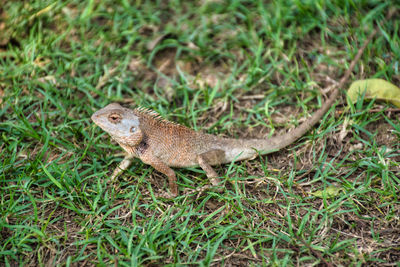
163	144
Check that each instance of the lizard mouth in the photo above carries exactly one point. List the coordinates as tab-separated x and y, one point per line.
95	117
98	118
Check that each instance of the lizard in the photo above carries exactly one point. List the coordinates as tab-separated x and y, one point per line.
143	134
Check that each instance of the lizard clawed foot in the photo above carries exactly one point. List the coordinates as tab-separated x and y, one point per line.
201	190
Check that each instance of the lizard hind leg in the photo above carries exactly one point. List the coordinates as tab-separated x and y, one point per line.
209	158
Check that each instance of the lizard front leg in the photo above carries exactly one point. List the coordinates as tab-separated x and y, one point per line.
149	158
123	165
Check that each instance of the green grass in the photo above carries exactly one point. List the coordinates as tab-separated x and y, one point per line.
238	68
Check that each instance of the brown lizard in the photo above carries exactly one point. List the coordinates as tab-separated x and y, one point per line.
142	133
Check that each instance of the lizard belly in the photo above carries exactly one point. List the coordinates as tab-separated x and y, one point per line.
180	161
177	158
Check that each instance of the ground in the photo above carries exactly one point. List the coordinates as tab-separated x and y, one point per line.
242	69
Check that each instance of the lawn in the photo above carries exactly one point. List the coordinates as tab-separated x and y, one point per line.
243	69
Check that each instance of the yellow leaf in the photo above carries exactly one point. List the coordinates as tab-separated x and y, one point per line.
329	192
375	88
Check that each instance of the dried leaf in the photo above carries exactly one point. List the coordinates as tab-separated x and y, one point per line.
43	11
48	78
329	192
41	62
152	44
375	88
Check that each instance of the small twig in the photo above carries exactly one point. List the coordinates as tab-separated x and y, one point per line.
103	79
251	97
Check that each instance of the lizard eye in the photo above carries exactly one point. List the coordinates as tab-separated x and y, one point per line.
133	129
114	118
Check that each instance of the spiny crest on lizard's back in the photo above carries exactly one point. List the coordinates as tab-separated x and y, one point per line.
154	115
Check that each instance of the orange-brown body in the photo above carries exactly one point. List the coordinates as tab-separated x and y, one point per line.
163	144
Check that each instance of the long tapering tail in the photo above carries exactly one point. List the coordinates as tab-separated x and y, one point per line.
278	142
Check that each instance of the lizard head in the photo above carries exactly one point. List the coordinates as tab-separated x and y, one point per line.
121	123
